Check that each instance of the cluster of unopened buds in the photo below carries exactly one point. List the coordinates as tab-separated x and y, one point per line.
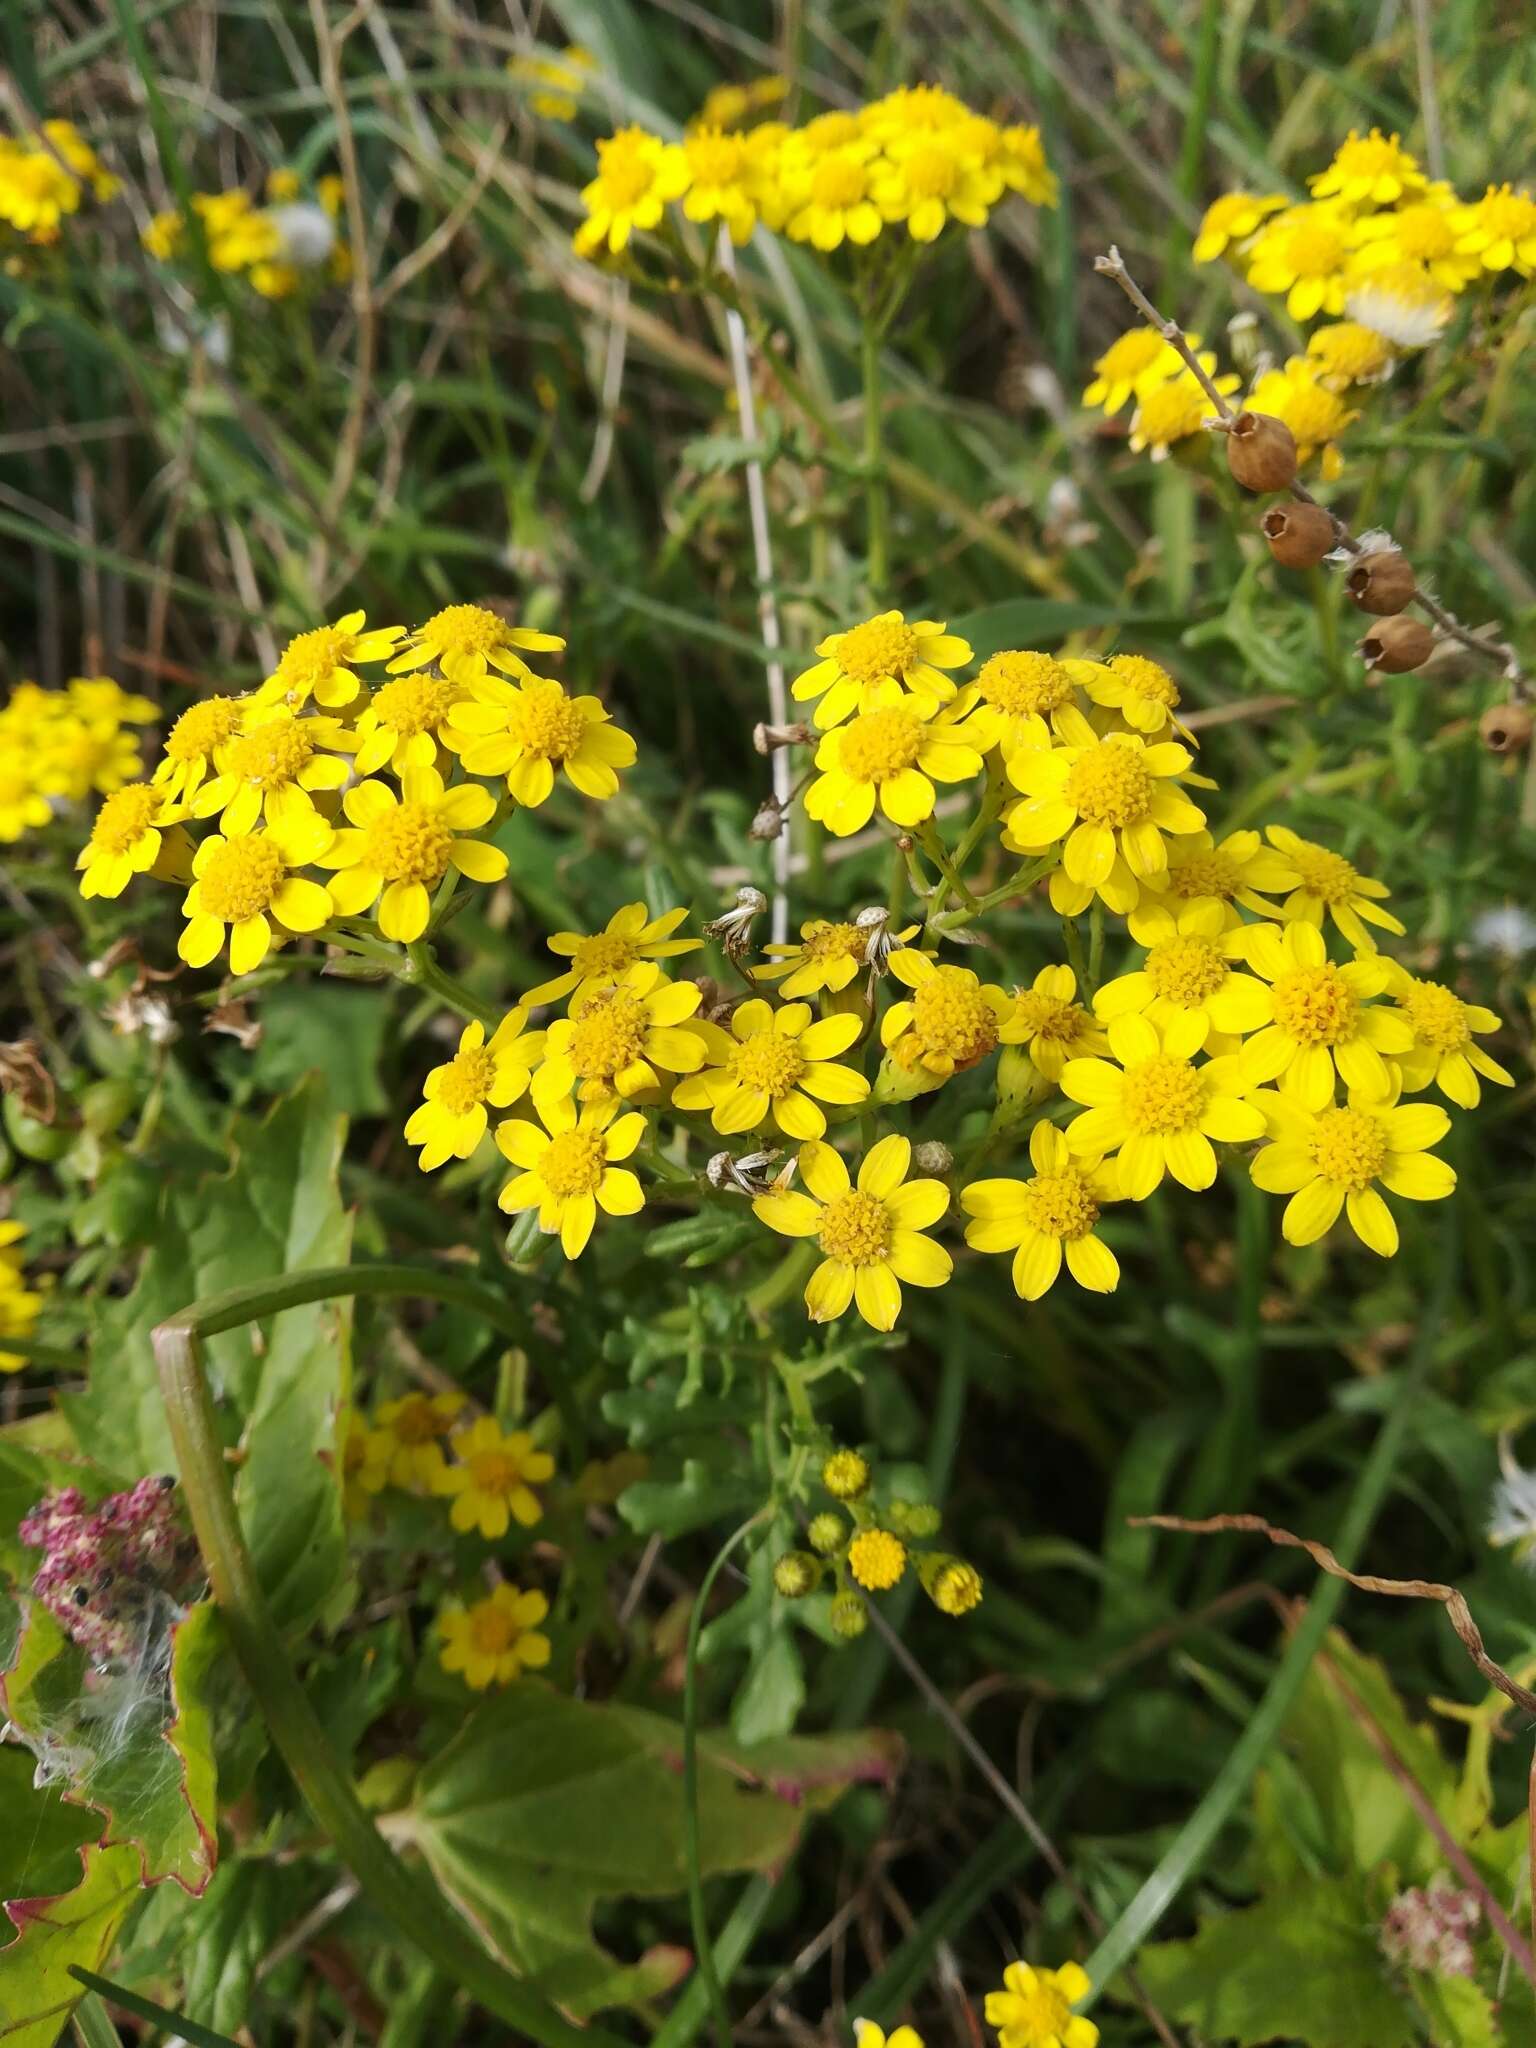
1430	1927
108	1571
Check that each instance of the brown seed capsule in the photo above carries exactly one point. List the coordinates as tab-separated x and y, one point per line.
1380	582
1299	535
1506	728
1397	645
1261	452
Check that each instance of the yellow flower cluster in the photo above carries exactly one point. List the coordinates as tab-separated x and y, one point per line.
557	78
492	1477
1032	2010
20	1306
494	1640
57	747
276	246
914	160
298	775
45	175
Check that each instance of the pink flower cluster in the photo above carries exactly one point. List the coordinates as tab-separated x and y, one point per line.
106	1568
1431	1928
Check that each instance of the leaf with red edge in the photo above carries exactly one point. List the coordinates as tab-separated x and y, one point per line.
37	1993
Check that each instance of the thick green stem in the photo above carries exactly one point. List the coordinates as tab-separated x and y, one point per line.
406	1897
875	500
424	972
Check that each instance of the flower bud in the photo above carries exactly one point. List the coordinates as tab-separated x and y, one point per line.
1506	728
1381	581
932	1159
914	1518
796	1574
951	1584
845	1475
1299	535
1397	645
849	1616
1261	452
826	1533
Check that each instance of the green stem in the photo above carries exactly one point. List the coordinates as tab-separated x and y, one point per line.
1073	940
1095	948
407	1898
423	971
875	500
1017	883
781	1283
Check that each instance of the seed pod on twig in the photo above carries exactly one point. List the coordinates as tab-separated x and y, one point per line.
1380	581
1299	535
1397	645
1261	452
1506	728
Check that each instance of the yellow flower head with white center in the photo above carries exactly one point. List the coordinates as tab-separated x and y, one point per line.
411	1433
892	754
569	1169
1020	692
1133	365
1230	220
1443	1054
1155	1111
1348	353
1401	302
720	181
403	846
1322	1017
858	665
867	2035
1500	230
321	664
1369	170
637	174
468	641
599	959
1238	870
1052	1026
926	180
1305	253
1428	233
870	1234
827	956
1141	690
246	884
273	769
1110	799
770	1065
137	830
1315	414
198	741
620	1038
1328	1159
1322	884
1176	409
950	1022
1034	2008
492	1479
481	1075
1188	986
404	722
829	196
1047	1218
526	731
495	1640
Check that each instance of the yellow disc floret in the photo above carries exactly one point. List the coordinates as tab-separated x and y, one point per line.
1145	679
546	721
877	1559
1349	1147
1438	1017
880	744
886	646
768	1062
1109	785
1316	1005
1208	873
272	755
845	1475
855	1228
201	728
242	878
466	1079
1163	1095
1187	970
610	1034
125	817
408	843
951	1016
1021	682
414	704
1060	1205
574	1163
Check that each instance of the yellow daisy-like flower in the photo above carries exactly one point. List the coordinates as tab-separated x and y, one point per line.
1348	352
12	1257
1023	164
1500	230
245	884
1401	302
199	739
364	1462
720	181
1187	986
1315	414
96	697
1046	1219
1034	2008
20	1308
618	1036
951	1021
1051	1025
1110	799
467	642
1428	233
411	1433
1322	1018
404	723
1175	409
1305	253
526	731
1133	365
492	1481
637	174
1020	691
404	845
867	2035
321	663
926	180
452	1120
1324	884
23	807
1232	219
1241	869
599	959
870	1234
1157	1112
771	1063
830	198
495	1640
892	754
1443	1054
858	664
274	768
137	831
570	1170
877	1559
1327	1159
564	78
1141	690
912	110
1369	170
827	956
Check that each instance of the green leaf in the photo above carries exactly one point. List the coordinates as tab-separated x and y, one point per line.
671	1507
315	1028
281	1383
78	1927
1043	622
43	1835
1460	2014
543	1805
1304	1963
